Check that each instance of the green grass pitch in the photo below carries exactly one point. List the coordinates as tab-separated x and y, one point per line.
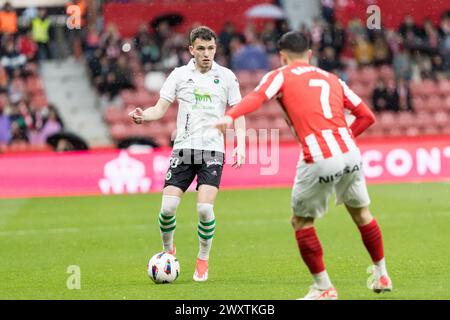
254	254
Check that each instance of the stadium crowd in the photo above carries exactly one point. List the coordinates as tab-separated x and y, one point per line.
396	60
26	117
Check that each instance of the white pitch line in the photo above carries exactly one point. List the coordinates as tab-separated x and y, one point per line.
133	227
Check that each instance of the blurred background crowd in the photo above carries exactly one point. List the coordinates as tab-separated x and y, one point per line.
402	73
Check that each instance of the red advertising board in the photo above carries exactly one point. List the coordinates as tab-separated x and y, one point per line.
119	172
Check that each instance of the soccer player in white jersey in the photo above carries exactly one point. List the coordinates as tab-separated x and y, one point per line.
314	102
203	89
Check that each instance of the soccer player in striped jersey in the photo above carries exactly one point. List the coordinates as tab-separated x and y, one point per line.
314	102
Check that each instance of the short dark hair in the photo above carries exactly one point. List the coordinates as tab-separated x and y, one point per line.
203	33
294	41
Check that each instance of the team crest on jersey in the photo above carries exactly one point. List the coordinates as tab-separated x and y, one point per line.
216	80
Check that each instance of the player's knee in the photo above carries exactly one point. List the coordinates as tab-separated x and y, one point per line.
169	205
205	211
360	216
301	222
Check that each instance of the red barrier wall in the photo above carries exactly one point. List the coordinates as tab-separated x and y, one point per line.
392	12
392	160
128	17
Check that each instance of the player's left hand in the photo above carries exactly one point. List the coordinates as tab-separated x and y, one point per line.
224	123
239	155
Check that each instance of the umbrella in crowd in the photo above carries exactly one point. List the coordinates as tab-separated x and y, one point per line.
66	141
266	11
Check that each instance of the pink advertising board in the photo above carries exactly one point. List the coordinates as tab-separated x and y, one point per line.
393	160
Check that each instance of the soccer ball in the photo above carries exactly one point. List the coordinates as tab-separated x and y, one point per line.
163	268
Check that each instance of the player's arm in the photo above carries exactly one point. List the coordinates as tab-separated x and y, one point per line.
364	117
239	151
167	96
150	114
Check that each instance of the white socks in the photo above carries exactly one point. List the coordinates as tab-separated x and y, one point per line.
322	280
167	220
381	267
206	226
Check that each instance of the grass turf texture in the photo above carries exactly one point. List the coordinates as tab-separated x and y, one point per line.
254	253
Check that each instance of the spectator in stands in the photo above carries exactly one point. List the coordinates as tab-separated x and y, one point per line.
437	66
328	60
363	51
4	80
339	38
250	56
402	65
316	34
49	124
8	19
163	33
269	37
382	53
393	98
5	123
444	48
327	7
404	96
123	73
380	98
409	26
16	90
430	37
19	130
41	34
110	42
356	28
11	59
27	46
225	37
92	41
109	86
327	39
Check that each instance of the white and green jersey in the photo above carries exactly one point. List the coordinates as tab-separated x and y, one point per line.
202	99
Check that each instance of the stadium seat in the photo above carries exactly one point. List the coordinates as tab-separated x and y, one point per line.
113	115
412	131
405	120
431	130
387	120
118	132
434	103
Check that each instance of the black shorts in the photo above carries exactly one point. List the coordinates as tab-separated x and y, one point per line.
185	164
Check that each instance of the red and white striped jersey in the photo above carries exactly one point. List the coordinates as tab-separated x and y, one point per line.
314	101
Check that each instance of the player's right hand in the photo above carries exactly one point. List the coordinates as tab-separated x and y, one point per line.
137	115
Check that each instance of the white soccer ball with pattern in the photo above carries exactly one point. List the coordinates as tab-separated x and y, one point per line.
163	268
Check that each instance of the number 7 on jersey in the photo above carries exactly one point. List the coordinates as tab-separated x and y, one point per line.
324	95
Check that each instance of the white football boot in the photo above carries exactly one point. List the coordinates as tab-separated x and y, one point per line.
317	294
377	282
